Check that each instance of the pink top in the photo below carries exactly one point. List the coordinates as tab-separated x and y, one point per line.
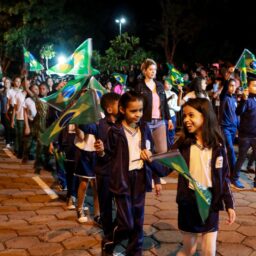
119	89
155	102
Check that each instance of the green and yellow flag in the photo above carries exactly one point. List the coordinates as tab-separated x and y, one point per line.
95	85
32	63
174	160
246	64
120	78
84	111
79	63
61	99
174	76
248	60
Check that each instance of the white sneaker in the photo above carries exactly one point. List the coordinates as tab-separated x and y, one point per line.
8	146
162	181
71	203
81	216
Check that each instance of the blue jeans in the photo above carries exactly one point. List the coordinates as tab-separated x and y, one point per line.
230	134
243	144
171	133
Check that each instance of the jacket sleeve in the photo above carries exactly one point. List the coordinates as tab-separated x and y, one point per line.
241	107
227	193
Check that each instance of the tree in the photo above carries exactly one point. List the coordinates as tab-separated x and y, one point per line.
123	52
47	52
34	23
179	24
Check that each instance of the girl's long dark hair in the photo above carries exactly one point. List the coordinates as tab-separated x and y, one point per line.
211	132
196	86
125	99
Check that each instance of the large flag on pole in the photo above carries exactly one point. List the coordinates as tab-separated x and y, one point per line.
61	99
174	160
79	63
84	111
174	76
32	63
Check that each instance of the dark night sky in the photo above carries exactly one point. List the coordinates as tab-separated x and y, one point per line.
229	28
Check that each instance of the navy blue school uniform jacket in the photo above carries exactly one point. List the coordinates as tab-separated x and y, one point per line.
228	116
117	153
100	131
221	193
247	112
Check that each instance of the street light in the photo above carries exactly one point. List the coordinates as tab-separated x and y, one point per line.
120	21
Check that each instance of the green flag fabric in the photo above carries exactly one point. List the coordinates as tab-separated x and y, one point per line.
84	111
79	63
29	59
120	78
248	60
243	73
60	159
173	159
174	76
95	85
61	99
246	64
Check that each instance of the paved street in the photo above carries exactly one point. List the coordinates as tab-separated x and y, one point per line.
34	220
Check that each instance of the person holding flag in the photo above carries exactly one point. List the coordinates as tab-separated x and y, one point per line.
202	146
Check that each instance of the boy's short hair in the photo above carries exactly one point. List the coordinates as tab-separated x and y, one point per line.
251	79
108	99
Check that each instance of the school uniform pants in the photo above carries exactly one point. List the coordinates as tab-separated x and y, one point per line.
244	144
130	213
105	202
230	135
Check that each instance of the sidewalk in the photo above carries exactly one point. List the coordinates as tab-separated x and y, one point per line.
34	220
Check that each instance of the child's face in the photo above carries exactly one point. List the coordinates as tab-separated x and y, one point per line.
252	87
232	87
17	82
113	109
167	85
133	112
192	119
204	84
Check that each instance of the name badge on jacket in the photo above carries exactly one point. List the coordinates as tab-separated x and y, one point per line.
219	162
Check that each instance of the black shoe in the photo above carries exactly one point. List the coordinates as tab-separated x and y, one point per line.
107	247
97	221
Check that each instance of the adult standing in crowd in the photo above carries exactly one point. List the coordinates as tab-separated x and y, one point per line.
155	110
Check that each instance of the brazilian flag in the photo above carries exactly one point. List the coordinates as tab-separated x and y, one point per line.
61	99
84	111
120	78
174	76
79	63
32	63
95	85
174	160
248	60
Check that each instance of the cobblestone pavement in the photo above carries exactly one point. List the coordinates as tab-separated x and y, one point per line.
34	219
